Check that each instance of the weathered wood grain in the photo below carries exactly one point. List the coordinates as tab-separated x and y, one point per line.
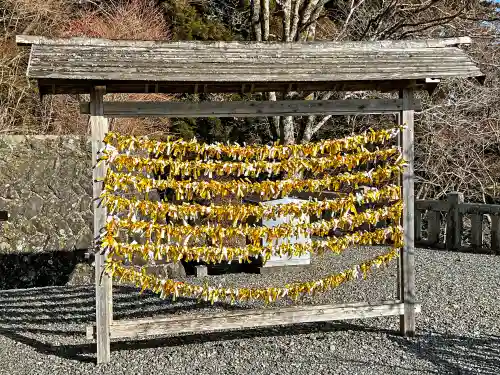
425	43
250	319
252	108
200	63
407	259
103	283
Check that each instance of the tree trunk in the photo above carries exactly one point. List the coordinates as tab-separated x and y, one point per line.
287	130
256	26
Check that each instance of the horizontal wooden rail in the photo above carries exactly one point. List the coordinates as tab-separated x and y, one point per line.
247	319
252	108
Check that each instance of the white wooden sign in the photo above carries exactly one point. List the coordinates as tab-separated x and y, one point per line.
275	260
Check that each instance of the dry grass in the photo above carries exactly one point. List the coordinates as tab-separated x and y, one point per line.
21	110
39	17
134	19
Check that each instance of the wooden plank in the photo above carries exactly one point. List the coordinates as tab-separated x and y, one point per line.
295	62
247	319
495	234
245	65
251	108
79	41
249	75
431	205
222	66
104	313
476	230
433	226
454	222
407	258
60	86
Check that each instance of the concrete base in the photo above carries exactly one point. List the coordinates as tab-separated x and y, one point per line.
277	261
201	271
283	268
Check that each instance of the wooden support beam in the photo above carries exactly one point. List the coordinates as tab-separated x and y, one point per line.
407	260
247	319
253	108
104	313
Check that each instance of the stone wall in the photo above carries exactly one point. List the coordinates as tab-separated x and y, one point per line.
46	187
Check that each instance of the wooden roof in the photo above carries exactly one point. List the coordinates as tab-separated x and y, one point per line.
74	65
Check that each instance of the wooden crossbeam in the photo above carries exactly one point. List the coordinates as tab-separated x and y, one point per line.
252	108
247	319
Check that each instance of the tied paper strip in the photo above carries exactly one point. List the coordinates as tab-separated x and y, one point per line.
192	159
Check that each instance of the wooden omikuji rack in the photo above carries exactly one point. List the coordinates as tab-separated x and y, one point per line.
97	66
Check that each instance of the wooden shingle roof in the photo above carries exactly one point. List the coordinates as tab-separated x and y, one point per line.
74	65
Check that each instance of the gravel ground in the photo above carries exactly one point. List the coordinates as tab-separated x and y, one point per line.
42	331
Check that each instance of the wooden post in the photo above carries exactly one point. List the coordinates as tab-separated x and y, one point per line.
454	221
495	234
104	312
406	274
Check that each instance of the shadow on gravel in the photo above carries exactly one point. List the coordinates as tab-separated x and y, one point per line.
454	354
33	270
63	312
86	352
77	305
